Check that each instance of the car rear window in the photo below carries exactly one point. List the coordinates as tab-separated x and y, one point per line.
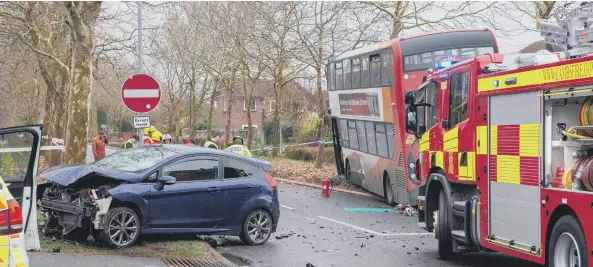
235	168
135	160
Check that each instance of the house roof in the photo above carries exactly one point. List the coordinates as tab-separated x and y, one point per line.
536	46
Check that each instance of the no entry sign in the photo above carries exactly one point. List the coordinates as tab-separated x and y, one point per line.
141	93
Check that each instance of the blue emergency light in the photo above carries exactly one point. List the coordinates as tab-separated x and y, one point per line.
444	64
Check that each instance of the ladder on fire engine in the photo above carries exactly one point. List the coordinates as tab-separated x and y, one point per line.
571	33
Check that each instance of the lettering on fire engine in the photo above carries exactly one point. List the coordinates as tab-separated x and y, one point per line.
568	72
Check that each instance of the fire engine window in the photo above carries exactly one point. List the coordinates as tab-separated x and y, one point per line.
355	73
366	81
387	59
343	132
381	139
347	74
431	98
352	134
459	94
375	70
362	136
370	130
339	76
332	76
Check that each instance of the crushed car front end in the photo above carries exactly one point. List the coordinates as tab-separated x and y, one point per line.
77	197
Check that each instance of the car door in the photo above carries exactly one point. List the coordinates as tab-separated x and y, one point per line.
19	157
241	187
196	198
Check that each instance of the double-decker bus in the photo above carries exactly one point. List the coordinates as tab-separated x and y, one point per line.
366	99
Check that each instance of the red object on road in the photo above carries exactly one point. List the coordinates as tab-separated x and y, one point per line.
325	188
141	93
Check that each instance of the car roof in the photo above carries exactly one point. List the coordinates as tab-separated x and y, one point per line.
187	149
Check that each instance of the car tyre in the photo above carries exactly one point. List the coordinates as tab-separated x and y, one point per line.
567	244
443	228
257	227
121	227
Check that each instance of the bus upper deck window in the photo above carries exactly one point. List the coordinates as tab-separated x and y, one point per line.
375	70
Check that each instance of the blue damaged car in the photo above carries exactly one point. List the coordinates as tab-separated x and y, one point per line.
162	189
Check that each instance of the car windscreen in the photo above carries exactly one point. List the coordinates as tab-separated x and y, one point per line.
135	160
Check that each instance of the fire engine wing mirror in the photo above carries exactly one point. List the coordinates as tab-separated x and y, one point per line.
410	98
411	119
445	124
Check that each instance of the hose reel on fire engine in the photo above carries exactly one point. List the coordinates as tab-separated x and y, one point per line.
580	176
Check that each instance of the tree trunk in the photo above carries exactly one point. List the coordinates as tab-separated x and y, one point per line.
321	103
248	98
83	16
229	88
211	110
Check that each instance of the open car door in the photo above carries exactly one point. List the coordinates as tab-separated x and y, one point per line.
19	159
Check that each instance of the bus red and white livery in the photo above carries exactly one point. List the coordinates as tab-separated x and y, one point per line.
365	85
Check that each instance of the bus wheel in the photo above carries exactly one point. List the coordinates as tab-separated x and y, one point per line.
348	172
567	244
388	189
443	229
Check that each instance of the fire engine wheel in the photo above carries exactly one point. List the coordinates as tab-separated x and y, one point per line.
389	199
443	229
567	244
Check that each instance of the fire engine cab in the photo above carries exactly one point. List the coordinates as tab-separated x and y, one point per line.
506	153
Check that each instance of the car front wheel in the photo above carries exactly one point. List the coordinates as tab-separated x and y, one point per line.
257	228
121	227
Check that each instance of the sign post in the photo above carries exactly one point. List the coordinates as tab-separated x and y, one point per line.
141	93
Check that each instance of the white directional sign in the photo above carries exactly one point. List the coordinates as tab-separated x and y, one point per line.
141	122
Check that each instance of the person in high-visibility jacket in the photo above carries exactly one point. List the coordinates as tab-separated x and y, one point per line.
157	137
147	139
238	148
132	142
210	144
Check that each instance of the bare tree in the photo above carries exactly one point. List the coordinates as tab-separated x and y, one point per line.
316	27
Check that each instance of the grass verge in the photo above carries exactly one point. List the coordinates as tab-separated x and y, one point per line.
148	247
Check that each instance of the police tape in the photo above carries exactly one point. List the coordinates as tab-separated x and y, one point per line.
28	149
303	144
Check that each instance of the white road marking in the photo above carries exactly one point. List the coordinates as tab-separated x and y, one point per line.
371	231
141	93
350	225
287	207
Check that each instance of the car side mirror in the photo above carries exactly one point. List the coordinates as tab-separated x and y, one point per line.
165	180
445	124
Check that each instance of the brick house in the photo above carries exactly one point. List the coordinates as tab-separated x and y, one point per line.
296	100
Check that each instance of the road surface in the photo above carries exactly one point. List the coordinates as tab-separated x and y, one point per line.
58	260
324	234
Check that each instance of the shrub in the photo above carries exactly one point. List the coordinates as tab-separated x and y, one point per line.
299	154
269	132
309	128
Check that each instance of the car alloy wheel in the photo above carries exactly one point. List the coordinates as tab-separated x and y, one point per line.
258	227
123	228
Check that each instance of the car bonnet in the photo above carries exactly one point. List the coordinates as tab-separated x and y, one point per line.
68	174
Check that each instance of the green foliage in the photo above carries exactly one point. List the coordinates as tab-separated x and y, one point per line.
202	125
309	128
6	164
101	118
299	154
288	131
269	132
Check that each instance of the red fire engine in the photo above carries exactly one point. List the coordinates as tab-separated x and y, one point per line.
506	152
